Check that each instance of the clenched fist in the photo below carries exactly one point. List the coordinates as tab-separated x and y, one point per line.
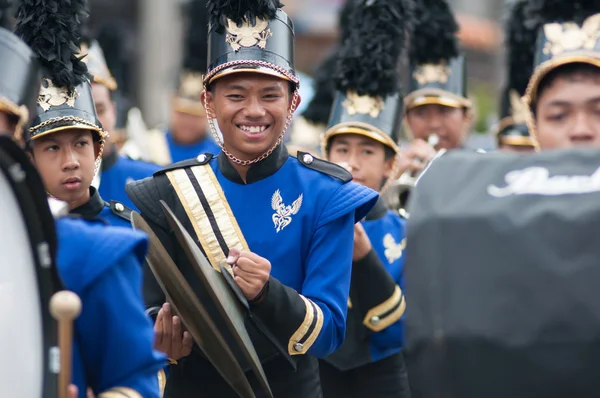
250	271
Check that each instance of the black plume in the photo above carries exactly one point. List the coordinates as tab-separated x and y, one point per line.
367	61
239	10
6	14
520	42
196	40
540	12
319	107
344	18
434	38
52	28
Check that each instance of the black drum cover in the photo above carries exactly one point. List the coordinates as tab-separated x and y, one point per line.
503	276
27	279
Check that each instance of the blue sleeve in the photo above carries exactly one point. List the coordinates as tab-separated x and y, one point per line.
115	335
327	283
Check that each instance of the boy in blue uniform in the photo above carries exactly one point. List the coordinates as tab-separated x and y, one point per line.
362	135
102	266
113	339
563	92
188	135
115	171
282	226
66	140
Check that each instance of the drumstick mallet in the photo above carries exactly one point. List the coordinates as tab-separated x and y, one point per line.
65	306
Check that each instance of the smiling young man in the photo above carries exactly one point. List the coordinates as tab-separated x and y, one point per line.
364	140
563	94
284	225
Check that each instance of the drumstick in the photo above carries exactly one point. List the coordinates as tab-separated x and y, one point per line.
65	306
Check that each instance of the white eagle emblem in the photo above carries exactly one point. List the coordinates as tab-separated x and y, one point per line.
393	250
283	214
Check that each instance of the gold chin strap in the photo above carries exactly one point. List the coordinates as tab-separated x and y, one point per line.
213	129
529	120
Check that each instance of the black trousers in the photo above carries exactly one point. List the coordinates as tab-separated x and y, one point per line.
195	377
386	378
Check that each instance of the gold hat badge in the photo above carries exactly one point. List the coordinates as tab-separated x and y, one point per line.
518	109
563	37
191	85
362	104
248	35
432	73
52	96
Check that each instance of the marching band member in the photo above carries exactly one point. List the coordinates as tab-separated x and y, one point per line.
512	134
563	94
67	140
100	264
363	134
285	224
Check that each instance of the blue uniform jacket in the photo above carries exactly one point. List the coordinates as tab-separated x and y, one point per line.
118	171
113	212
113	347
296	215
375	327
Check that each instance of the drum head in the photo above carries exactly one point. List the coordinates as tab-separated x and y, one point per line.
27	279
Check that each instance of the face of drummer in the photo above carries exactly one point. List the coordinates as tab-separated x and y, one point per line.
448	123
8	124
251	111
369	161
66	160
567	113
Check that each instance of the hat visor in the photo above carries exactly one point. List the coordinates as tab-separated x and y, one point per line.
543	69
248	68
435	97
75	126
516	140
363	129
188	106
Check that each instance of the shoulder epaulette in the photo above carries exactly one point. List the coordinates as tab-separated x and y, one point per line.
200	160
323	166
120	210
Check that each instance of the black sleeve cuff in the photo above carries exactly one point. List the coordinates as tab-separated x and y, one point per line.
375	296
293	320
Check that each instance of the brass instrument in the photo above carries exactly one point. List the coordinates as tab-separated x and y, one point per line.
397	193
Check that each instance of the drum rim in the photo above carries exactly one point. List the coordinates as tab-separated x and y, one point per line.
35	212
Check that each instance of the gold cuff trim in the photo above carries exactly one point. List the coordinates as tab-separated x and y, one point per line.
228	227
359	128
349	303
120	392
159	148
162	382
386	313
309	329
435	96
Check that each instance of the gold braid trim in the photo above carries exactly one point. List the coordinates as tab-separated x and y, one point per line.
20	111
120	392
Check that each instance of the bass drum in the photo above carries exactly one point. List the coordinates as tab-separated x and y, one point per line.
28	337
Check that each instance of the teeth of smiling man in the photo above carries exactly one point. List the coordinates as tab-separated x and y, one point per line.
253	129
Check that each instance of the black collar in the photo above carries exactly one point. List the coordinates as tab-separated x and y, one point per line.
110	160
92	208
258	171
378	211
